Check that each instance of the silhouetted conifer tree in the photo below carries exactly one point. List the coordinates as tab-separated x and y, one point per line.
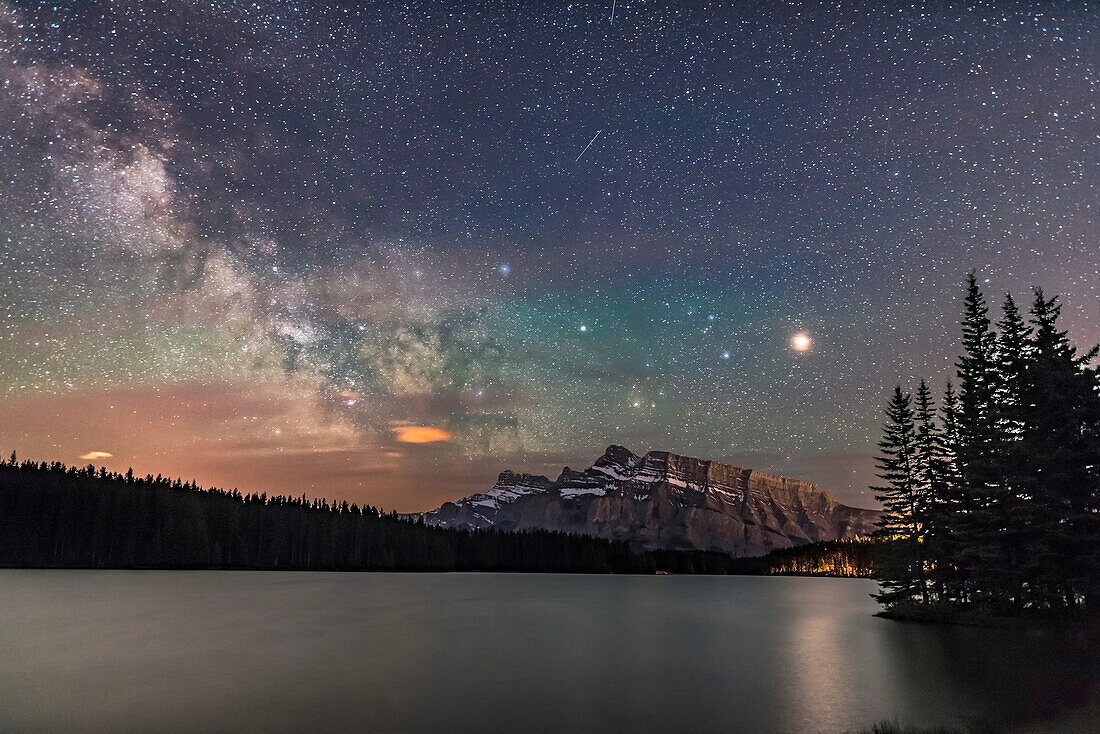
932	472
902	575
978	550
1061	440
1008	511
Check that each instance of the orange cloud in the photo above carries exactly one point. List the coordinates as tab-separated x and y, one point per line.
91	455
421	434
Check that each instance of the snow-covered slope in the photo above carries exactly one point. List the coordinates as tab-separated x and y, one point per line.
663	500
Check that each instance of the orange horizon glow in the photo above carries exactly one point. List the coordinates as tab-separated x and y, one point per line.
165	430
421	434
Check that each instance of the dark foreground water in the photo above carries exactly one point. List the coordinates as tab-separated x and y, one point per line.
151	651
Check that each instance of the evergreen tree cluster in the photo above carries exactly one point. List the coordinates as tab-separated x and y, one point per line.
992	500
55	516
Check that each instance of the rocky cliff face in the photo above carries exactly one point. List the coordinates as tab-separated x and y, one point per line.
663	500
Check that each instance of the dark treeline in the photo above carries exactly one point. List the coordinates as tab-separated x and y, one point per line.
993	497
52	515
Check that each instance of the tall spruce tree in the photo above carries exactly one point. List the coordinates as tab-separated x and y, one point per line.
930	454
978	550
902	574
977	374
1061	439
948	511
1009	502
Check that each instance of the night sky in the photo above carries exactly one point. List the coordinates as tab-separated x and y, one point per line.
383	253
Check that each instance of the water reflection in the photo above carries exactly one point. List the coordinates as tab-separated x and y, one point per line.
282	652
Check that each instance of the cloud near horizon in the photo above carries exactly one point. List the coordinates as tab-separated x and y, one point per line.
421	434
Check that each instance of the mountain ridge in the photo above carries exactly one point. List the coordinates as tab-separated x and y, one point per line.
663	500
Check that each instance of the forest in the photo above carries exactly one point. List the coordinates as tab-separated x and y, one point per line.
52	515
993	497
55	516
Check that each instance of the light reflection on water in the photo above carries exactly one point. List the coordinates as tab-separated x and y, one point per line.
116	651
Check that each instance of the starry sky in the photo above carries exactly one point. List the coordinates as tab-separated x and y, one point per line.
383	252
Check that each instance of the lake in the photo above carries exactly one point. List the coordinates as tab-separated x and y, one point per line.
212	651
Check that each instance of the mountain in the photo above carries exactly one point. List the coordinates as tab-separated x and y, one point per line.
663	501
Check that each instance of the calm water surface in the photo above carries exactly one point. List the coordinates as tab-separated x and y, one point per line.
150	651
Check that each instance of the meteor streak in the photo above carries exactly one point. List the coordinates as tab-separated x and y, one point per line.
589	145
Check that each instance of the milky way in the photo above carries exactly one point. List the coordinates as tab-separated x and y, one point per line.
382	253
